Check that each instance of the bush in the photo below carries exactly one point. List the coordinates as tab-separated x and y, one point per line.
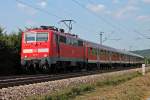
9	52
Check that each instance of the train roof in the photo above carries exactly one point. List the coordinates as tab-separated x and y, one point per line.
95	45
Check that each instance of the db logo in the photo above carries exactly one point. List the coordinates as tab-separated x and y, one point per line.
35	50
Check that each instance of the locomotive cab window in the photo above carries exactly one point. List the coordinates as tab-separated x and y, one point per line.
30	37
33	37
42	37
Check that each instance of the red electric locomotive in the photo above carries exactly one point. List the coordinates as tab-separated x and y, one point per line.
49	49
44	48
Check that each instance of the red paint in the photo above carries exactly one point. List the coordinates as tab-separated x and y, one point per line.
66	50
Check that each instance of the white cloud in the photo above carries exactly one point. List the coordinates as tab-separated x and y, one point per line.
143	18
97	8
42	3
26	9
129	10
20	5
125	12
146	1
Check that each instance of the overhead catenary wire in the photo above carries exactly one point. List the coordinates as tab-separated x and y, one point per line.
125	28
39	9
106	21
58	17
106	38
47	12
98	16
140	34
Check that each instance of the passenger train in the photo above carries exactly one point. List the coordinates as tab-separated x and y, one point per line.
51	49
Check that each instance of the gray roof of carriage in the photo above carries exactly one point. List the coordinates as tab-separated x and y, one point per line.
112	49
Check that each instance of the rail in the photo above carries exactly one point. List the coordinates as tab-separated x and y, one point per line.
30	79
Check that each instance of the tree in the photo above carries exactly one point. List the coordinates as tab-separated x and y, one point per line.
9	51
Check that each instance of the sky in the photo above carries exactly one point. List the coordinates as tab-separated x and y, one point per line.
125	24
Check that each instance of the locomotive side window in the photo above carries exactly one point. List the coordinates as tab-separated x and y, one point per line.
30	37
74	42
69	41
80	43
62	39
42	37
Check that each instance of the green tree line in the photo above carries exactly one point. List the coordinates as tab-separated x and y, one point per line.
10	46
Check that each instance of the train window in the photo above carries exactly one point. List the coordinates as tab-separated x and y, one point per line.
102	52
80	43
72	41
30	37
94	52
106	53
69	41
62	39
112	53
75	42
89	50
109	53
42	37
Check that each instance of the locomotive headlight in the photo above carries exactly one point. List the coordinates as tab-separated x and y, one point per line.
25	56
45	55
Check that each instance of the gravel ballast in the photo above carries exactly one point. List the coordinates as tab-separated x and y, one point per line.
24	91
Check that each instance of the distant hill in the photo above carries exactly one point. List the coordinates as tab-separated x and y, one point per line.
145	53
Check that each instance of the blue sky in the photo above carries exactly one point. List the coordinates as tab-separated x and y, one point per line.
118	19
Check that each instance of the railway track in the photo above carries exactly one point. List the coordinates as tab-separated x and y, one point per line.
29	79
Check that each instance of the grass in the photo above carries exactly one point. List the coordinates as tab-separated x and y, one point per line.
71	93
134	89
66	94
118	80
